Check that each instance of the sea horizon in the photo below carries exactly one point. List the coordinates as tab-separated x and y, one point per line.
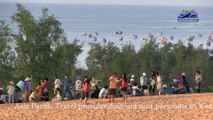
108	4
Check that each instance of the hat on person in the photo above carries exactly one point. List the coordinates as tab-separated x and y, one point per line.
164	86
11	82
27	79
144	74
132	79
183	74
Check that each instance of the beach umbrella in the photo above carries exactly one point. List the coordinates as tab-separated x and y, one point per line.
20	85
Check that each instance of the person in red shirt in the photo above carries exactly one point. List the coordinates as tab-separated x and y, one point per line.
112	86
86	86
124	86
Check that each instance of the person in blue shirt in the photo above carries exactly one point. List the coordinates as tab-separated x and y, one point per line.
67	84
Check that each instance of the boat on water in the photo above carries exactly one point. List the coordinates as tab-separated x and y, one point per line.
133	36
119	32
171	37
121	38
190	38
200	35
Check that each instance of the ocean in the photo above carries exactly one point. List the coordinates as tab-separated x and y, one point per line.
130	19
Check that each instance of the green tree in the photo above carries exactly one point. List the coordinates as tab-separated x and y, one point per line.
42	48
36	41
149	57
7	54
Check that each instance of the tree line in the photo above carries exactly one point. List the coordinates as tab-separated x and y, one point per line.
170	60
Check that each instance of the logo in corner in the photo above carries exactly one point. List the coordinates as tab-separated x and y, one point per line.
188	16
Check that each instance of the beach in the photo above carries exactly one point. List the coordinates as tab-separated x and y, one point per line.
168	107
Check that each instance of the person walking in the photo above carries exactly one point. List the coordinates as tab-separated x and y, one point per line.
112	86
143	81
124	86
159	83
67	84
152	83
11	88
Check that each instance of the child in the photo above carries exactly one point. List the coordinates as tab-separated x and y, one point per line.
164	87
86	86
171	90
95	92
33	97
129	91
134	88
10	91
57	95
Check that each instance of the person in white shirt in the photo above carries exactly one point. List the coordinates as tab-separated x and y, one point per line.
57	83
11	88
134	89
143	81
132	80
198	79
103	92
159	83
78	85
152	83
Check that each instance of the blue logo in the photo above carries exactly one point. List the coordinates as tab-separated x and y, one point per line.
188	16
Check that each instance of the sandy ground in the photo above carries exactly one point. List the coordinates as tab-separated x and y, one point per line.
167	107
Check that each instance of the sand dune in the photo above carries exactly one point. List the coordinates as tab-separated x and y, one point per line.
167	107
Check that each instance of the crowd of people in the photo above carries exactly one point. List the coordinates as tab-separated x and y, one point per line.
63	90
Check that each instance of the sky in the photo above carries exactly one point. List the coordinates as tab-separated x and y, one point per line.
121	2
